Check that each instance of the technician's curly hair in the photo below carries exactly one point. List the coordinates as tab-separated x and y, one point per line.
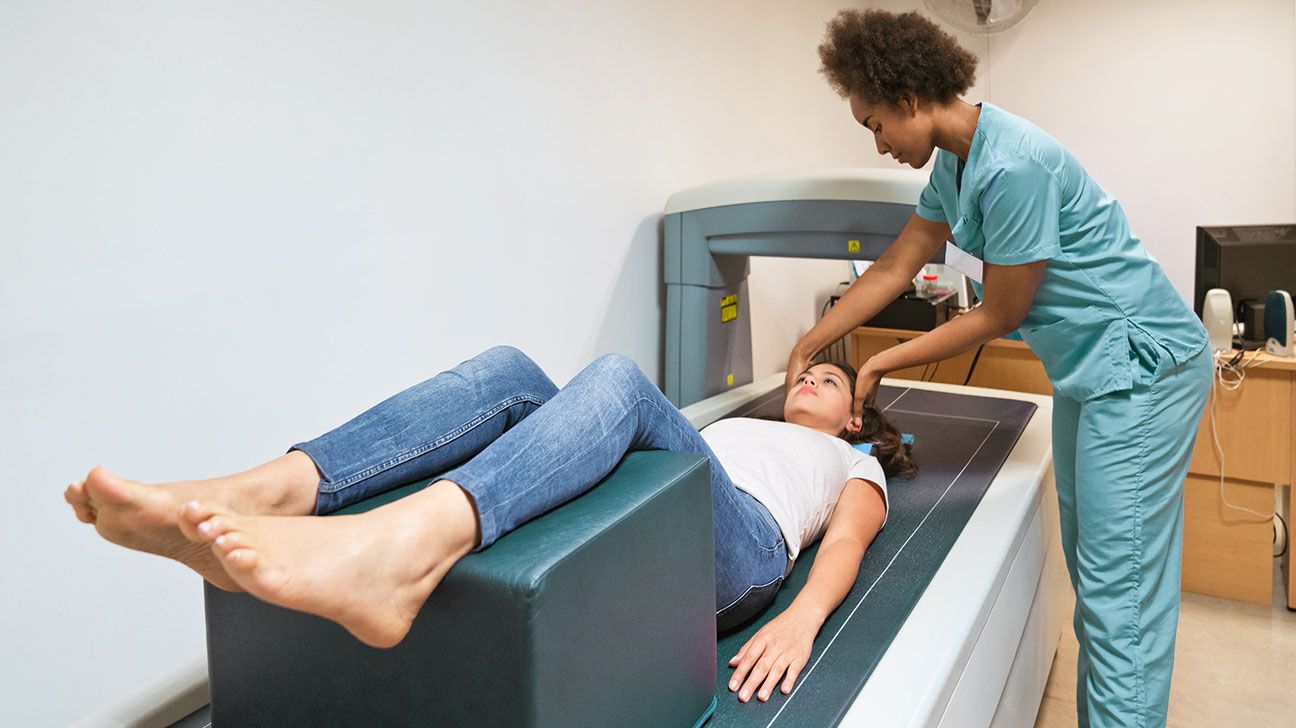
877	56
892	453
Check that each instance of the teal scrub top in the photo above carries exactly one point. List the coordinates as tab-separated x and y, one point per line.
1105	316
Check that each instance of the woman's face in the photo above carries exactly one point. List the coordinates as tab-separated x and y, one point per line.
902	130
821	399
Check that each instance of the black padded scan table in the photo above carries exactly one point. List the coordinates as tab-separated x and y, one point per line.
961	442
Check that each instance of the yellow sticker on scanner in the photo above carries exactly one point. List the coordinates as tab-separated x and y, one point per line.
729	380
729	308
852	246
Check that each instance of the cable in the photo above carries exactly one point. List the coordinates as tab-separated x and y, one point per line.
1218	376
933	373
837	350
973	367
1286	535
1231	374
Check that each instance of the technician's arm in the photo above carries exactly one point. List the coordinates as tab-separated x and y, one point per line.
886	279
1009	292
784	643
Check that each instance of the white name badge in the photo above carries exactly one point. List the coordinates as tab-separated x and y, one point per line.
969	265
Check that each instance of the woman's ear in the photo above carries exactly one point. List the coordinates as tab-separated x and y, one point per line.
908	103
855	425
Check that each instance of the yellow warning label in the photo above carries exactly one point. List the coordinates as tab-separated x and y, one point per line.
729	380
852	246
729	308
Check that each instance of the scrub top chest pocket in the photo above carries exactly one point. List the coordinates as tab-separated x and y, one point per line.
968	237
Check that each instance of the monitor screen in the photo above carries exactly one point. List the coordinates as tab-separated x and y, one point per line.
1248	261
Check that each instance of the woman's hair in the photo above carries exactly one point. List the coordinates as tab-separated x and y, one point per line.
892	453
877	56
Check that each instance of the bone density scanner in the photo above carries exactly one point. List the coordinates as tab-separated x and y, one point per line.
953	620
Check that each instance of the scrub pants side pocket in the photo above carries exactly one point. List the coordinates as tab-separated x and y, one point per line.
1086	355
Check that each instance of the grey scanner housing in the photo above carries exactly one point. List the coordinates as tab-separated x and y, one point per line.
711	232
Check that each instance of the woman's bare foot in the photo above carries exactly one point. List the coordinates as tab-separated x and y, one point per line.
369	572
147	517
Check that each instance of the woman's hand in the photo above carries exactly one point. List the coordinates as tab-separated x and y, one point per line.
782	645
797	362
866	385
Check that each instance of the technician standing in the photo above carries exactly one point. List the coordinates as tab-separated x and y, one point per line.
1127	357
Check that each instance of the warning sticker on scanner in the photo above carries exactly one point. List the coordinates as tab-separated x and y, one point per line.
729	308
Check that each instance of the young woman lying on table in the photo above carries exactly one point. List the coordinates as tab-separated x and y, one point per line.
509	446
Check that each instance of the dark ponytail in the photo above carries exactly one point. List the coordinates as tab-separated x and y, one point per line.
895	456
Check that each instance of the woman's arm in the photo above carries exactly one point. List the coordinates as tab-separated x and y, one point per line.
1009	292
880	285
784	643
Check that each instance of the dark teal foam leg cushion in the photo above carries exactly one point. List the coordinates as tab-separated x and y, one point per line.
600	612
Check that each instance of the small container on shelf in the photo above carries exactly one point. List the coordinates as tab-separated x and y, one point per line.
927	289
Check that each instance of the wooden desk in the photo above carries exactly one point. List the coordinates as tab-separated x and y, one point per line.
1229	553
1226	553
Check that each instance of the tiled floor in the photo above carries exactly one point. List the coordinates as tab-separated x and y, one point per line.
1235	664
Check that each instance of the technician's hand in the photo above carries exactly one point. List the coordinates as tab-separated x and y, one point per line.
866	385
797	363
781	646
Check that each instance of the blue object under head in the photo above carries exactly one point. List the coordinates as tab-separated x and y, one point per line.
867	447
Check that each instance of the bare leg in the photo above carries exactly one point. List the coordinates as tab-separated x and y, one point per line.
147	517
369	572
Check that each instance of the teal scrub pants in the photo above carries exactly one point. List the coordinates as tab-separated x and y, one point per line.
1120	462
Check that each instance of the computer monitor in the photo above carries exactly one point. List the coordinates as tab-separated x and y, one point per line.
1248	261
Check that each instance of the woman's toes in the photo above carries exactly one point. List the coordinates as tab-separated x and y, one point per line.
228	542
80	505
104	487
243	559
191	514
215	526
75	495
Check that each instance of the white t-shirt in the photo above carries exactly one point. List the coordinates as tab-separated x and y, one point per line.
794	471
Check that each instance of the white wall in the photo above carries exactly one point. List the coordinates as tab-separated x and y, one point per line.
1185	110
229	226
226	227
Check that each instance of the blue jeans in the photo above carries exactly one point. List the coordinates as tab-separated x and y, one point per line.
498	427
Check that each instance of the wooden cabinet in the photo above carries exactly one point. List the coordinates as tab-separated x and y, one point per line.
1254	424
1229	553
